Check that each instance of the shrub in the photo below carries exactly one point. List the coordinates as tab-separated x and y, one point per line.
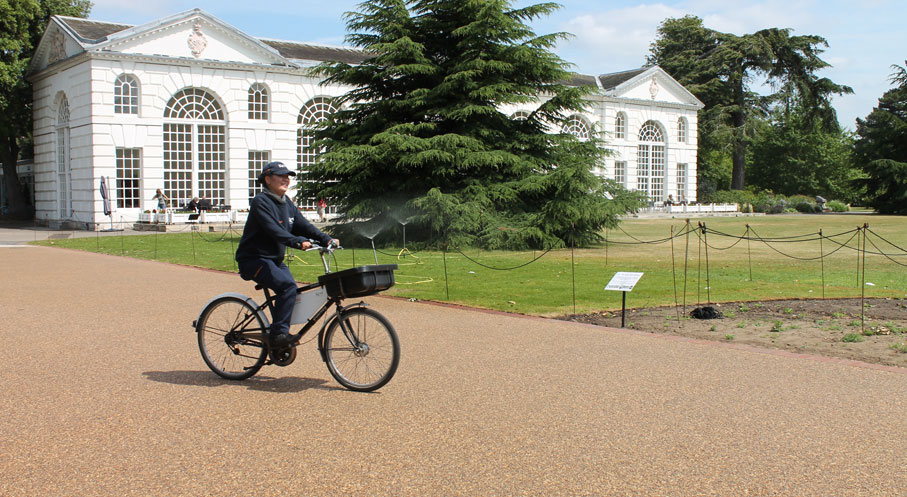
776	205
773	203
734	197
837	206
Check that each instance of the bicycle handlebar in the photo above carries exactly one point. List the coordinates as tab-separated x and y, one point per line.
331	248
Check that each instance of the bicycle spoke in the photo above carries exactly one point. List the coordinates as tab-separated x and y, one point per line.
219	331
362	350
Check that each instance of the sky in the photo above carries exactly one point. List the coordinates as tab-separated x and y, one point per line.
865	38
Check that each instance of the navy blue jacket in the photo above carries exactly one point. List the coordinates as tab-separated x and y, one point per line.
272	226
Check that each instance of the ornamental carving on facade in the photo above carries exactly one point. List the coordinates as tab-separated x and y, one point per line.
57	48
197	41
653	88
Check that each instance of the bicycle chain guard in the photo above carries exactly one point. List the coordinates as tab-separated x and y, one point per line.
283	357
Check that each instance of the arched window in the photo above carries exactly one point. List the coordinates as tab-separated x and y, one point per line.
620	126
195	148
578	127
313	112
126	95
650	161
64	166
258	102
520	115
193	103
682	130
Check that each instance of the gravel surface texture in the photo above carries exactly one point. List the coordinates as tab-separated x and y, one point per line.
104	393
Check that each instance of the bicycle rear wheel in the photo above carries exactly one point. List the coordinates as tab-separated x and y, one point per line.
361	349
230	338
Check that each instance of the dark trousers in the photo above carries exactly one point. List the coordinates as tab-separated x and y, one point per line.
277	278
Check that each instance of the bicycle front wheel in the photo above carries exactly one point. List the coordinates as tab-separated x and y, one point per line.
361	349
230	338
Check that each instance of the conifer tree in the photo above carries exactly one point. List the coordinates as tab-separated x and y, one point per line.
881	148
422	135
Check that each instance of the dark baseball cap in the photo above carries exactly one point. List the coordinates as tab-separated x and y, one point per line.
275	167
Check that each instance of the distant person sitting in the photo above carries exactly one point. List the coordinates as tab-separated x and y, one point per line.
192	205
204	204
669	200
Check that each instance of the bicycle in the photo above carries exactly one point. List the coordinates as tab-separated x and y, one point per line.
359	345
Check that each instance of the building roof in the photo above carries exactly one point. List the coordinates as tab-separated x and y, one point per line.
92	31
305	51
577	79
615	79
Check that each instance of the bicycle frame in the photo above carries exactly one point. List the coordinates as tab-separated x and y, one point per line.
331	301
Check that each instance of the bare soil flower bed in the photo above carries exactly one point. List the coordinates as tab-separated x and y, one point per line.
829	327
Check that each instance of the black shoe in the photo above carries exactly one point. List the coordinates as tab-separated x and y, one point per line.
281	340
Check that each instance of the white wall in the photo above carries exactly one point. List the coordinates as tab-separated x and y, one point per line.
96	131
74	83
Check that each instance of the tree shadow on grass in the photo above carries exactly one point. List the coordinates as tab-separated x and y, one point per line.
290	384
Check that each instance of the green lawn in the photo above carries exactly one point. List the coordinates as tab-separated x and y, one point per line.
784	269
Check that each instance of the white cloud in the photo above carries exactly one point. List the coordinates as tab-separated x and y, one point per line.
614	40
750	17
618	39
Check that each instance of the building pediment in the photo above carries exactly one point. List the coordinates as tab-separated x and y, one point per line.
194	35
650	84
57	43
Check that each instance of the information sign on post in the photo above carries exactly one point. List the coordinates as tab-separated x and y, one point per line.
623	282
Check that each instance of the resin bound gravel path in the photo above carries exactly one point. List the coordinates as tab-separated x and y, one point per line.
103	392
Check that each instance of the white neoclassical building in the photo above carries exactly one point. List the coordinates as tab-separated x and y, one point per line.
193	106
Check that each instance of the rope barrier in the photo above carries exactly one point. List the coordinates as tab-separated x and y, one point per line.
887	256
858	249
854	233
889	243
739	239
651	242
845	239
781	239
223	237
500	268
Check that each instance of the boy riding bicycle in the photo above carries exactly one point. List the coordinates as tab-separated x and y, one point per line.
275	223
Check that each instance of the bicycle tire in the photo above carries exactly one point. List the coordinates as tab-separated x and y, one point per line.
230	338
371	364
